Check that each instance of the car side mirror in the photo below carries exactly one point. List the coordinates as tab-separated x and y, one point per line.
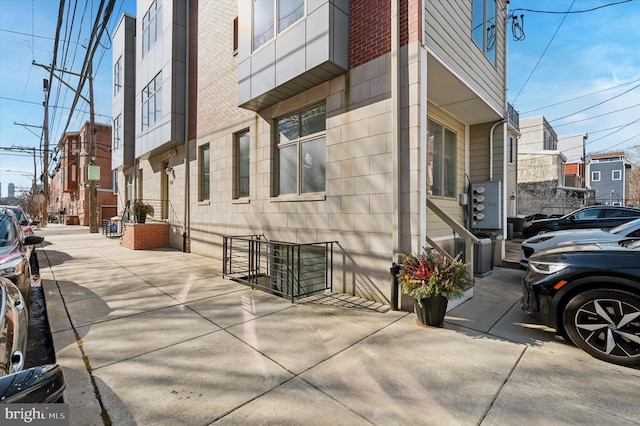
31	240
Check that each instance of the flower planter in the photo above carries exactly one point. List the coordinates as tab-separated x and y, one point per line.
432	311
141	218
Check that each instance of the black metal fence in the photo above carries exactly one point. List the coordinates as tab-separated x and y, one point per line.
289	270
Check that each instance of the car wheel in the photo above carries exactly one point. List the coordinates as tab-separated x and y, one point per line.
605	324
542	231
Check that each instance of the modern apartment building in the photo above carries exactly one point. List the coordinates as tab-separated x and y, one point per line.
360	122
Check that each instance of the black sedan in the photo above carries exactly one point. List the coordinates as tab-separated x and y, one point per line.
591	294
584	218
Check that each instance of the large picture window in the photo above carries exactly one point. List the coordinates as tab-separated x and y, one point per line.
117	129
205	173
301	157
151	26
271	14
152	101
241	165
441	161
483	27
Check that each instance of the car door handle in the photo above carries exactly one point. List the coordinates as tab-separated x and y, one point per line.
17	361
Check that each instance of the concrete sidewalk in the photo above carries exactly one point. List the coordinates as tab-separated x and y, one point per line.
163	339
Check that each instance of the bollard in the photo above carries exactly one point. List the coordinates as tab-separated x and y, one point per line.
395	270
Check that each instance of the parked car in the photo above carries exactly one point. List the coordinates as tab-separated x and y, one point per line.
584	218
624	233
14	326
591	294
15	251
27	227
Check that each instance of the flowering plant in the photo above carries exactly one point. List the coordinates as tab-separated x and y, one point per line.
432	274
138	207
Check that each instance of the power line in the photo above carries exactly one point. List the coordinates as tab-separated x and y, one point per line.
543	53
580	97
575	11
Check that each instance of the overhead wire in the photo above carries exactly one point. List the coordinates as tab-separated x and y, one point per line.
543	53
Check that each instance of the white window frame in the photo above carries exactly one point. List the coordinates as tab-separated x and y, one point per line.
613	174
593	176
276	27
445	152
306	168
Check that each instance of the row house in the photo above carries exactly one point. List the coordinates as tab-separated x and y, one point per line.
69	192
609	178
370	124
548	169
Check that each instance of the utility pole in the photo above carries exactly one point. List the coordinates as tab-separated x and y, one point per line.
45	168
93	194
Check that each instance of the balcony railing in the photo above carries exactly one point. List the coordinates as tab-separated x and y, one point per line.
513	117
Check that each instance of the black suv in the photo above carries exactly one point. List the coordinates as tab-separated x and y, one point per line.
584	218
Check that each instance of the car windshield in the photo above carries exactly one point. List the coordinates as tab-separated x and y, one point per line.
626	227
7	232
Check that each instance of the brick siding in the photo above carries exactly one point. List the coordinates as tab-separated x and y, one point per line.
144	236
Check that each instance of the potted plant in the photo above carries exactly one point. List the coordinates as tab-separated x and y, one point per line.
140	210
432	280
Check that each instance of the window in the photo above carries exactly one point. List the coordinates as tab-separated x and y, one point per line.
595	176
241	165
129	186
300	145
152	101
589	214
616	174
511	149
271	14
205	173
151	26
117	75
117	128
441	160
483	27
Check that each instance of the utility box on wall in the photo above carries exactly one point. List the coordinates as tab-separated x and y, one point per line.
485	205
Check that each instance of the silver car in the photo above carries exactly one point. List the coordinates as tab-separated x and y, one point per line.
629	231
14	323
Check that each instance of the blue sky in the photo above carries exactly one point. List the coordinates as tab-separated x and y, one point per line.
591	58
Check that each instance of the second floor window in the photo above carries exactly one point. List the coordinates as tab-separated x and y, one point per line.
151	26
152	101
595	176
616	174
483	27
271	14
301	157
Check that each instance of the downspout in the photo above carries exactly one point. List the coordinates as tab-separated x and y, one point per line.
423	126
186	232
395	126
491	148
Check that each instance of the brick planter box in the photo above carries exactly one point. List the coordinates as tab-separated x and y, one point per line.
143	236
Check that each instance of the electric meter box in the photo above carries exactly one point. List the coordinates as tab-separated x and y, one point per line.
485	205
